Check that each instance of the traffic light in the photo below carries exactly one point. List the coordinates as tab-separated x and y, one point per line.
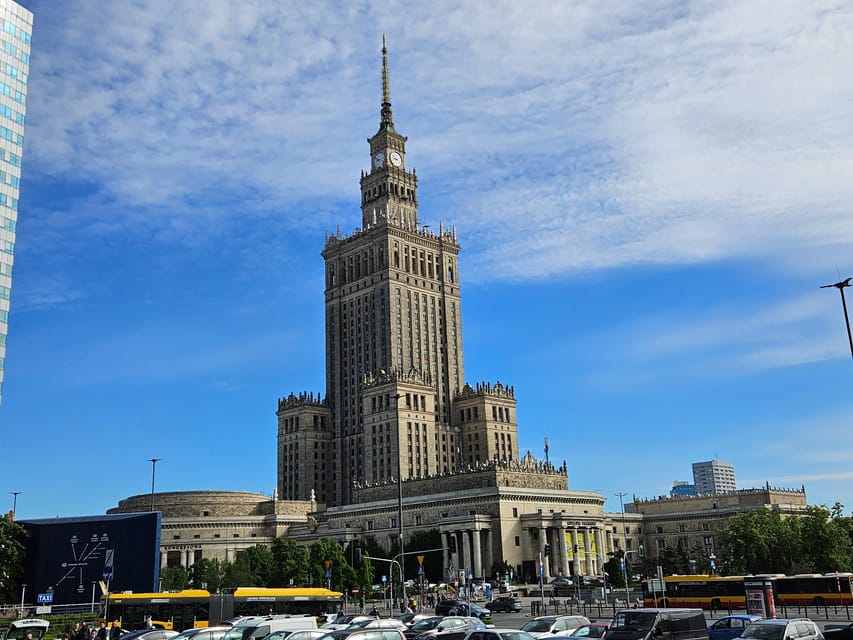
358	556
547	549
452	545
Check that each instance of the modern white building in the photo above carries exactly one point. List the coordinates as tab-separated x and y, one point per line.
713	476
14	75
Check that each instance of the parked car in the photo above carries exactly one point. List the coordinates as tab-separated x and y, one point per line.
499	634
307	634
411	618
422	626
368	634
838	632
546	625
591	630
729	627
452	623
505	603
659	624
783	628
150	634
202	633
343	621
365	625
461	608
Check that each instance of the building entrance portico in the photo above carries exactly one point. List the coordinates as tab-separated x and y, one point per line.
566	546
467	544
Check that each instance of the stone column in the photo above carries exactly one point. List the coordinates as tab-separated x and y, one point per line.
487	542
589	564
576	552
564	552
164	558
466	552
543	532
477	555
445	555
599	544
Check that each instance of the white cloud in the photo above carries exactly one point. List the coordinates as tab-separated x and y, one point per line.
576	136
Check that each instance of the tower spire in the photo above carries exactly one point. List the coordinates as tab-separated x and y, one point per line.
387	121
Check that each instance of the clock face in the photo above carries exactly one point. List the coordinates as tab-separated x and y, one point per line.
378	159
396	159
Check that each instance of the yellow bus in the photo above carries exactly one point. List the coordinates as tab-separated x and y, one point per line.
704	591
197	608
815	589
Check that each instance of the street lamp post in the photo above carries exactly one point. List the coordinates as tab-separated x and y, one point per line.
625	573
841	286
15	495
621	495
153	462
400	499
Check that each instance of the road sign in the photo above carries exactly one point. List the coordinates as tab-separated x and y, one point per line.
420	571
108	573
384	578
420	560
328	573
45	598
328	563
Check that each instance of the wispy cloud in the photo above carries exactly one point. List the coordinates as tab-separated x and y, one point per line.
613	134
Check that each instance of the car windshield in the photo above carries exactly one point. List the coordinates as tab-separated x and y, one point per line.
634	620
360	624
764	631
426	624
537	626
588	631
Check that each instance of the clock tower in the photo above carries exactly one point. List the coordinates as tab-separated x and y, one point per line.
388	191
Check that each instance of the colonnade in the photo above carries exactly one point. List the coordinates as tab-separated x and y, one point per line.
467	548
572	550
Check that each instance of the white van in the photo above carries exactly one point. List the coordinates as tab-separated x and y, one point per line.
19	629
259	627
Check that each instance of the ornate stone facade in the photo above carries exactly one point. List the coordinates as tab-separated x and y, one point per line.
396	405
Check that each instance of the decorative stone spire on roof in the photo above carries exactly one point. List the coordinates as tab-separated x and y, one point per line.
387	121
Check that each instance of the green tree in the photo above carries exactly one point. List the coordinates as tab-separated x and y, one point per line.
824	543
252	567
613	568
13	538
433	561
174	578
757	542
342	575
289	564
207	574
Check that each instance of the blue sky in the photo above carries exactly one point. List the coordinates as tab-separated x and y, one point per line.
647	196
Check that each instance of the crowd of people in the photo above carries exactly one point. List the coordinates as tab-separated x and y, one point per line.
85	632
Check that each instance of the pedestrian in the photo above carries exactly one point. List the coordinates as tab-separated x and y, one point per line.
75	632
149	624
115	630
84	631
102	631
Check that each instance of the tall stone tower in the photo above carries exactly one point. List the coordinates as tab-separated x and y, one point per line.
394	365
393	325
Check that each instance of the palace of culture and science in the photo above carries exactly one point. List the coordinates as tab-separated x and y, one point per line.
397	406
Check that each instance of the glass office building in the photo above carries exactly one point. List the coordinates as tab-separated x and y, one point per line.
14	76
